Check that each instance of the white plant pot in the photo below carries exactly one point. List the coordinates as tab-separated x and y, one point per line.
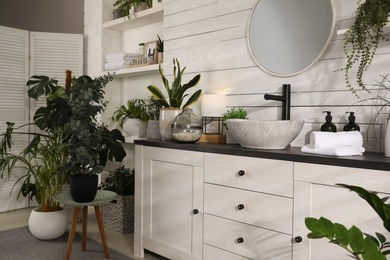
387	138
230	138
134	127
167	115
48	225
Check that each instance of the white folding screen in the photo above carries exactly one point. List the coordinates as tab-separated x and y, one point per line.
51	54
14	73
23	54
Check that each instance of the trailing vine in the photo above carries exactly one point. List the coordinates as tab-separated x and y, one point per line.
362	39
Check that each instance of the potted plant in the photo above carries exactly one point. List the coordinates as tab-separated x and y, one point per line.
132	117
160	49
119	214
89	143
362	38
124	6
234	113
152	129
42	163
177	92
359	245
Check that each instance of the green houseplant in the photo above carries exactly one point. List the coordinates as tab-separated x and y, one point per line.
233	113
359	245
132	117
177	93
160	49
362	38
124	6
74	109
119	215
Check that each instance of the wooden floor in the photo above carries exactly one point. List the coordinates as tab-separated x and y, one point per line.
122	243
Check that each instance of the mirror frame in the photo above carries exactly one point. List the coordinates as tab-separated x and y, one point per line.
326	45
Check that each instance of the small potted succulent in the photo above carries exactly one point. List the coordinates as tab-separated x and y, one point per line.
234	113
132	117
119	214
177	92
160	49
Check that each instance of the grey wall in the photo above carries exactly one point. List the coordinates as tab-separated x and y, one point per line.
64	16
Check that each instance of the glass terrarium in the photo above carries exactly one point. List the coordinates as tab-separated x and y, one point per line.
187	127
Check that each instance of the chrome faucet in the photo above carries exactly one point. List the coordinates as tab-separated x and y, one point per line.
285	98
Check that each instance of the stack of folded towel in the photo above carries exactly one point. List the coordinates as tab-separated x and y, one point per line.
119	60
336	144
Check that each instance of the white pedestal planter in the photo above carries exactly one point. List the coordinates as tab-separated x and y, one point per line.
48	225
387	138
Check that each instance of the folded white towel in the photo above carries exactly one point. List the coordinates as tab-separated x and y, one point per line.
322	140
116	65
120	56
335	151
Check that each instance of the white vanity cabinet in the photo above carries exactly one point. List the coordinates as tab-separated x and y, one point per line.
316	195
169	202
247	208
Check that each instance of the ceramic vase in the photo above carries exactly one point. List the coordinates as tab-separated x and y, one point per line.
167	116
387	138
48	225
153	130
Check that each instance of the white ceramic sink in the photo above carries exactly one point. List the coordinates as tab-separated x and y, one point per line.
262	134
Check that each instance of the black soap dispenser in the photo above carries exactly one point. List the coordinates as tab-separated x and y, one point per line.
328	126
351	125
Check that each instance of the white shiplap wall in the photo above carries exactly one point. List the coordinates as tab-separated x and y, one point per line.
209	37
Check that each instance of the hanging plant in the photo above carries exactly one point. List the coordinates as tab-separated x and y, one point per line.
362	39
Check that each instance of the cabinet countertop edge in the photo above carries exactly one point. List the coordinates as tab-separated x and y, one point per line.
369	160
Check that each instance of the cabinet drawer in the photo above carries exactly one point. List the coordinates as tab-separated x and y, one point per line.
264	175
257	243
259	209
213	253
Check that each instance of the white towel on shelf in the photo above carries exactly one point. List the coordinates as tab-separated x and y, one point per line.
322	140
120	56
335	144
335	151
116	65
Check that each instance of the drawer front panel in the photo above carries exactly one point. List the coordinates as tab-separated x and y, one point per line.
257	243
213	253
264	175
262	210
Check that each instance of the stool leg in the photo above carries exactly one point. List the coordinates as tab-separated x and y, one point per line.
76	212
85	222
101	230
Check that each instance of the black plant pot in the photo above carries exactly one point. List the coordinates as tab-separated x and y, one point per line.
83	188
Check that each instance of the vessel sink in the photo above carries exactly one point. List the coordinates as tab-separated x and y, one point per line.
263	134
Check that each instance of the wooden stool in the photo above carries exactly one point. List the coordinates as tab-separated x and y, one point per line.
102	197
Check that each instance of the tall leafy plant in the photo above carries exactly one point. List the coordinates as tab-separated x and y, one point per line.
75	108
177	91
358	244
362	39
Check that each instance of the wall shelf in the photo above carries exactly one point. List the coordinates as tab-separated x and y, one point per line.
148	16
343	31
135	71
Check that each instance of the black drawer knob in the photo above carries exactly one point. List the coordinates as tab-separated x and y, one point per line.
195	211
241	206
241	172
240	240
298	239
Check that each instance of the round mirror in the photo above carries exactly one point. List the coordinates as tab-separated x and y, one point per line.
287	37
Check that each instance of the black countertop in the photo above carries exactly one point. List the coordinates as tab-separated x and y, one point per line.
375	161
